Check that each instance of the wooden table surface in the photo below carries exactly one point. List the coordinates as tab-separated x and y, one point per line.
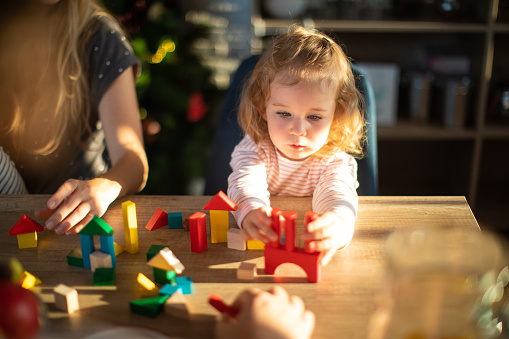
343	300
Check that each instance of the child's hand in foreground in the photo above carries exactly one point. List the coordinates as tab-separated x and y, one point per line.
76	202
267	315
327	234
258	225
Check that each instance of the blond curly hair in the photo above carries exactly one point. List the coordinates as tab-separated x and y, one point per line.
306	54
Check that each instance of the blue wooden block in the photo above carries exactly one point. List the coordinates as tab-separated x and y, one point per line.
184	284
108	247
175	220
87	247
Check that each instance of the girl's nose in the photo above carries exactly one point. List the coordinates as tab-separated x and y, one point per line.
298	127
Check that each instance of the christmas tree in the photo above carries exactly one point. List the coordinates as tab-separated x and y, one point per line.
174	91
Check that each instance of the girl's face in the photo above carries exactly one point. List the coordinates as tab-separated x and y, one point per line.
299	117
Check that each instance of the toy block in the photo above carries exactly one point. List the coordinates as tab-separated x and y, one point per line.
87	247
290	218
28	280
160	276
218	303
185	224
25	229
118	248
149	307
309	217
100	259
246	271
75	258
104	276
166	260
198	232
130	227
66	298
153	250
219	224
235	240
171	277
220	202
27	240
158	220
175	220
176	305
97	226
309	262
183	284
108	247
16	270
146	286
276	225
255	245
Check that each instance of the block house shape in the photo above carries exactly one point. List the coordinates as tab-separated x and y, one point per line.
25	229
97	227
219	206
277	254
130	227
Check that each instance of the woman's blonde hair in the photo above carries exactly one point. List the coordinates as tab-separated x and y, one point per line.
306	55
72	24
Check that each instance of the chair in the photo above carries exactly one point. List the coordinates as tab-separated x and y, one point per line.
229	134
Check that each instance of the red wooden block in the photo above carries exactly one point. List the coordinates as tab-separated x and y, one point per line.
220	202
309	262
275	214
158	220
216	301
310	216
25	225
290	217
198	231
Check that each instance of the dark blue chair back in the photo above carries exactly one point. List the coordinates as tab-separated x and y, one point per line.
229	134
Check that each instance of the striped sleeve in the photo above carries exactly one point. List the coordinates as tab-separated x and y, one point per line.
247	185
10	179
336	189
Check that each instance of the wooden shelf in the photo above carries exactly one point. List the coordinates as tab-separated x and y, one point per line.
273	26
414	131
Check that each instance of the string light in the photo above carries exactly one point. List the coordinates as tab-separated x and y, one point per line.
166	46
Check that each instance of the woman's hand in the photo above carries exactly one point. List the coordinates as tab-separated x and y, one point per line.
76	202
267	315
327	234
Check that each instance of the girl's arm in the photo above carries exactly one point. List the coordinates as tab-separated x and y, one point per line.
77	201
335	199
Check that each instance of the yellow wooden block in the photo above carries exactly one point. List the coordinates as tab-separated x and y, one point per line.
27	240
130	227
255	245
219	224
118	248
28	280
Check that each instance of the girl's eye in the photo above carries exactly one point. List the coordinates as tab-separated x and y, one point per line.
283	114
314	117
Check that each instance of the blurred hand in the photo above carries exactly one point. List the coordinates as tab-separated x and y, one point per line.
258	225
327	234
76	202
267	315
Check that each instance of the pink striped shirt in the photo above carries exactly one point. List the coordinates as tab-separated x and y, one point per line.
261	172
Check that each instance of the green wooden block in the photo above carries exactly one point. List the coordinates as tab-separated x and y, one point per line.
97	226
153	250
104	276
75	258
160	276
150	307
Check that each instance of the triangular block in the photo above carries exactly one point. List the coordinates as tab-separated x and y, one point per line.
25	225
97	226
220	202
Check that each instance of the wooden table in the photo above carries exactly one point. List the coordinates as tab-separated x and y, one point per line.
343	300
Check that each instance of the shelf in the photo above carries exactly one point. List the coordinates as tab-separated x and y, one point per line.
414	131
501	28
271	26
496	132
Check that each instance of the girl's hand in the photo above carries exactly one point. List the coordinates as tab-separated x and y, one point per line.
268	315
327	234
258	225
76	202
